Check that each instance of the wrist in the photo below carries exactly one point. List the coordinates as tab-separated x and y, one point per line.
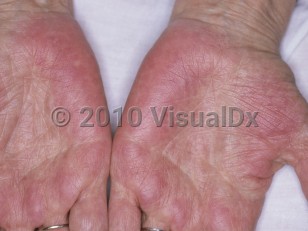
10	8
258	24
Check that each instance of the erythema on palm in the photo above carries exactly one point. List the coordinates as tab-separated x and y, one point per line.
205	178
46	171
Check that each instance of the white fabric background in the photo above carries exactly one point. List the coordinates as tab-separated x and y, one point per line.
122	31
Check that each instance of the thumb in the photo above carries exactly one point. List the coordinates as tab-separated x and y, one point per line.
301	162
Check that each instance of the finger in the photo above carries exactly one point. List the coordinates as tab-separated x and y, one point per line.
174	210
124	213
90	211
62	226
154	221
56	220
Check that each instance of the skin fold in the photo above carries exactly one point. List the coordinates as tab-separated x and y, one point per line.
186	178
49	175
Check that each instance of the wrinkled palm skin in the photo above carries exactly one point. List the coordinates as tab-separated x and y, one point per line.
50	175
205	178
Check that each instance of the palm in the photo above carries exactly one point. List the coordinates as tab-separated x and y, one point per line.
47	171
204	178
